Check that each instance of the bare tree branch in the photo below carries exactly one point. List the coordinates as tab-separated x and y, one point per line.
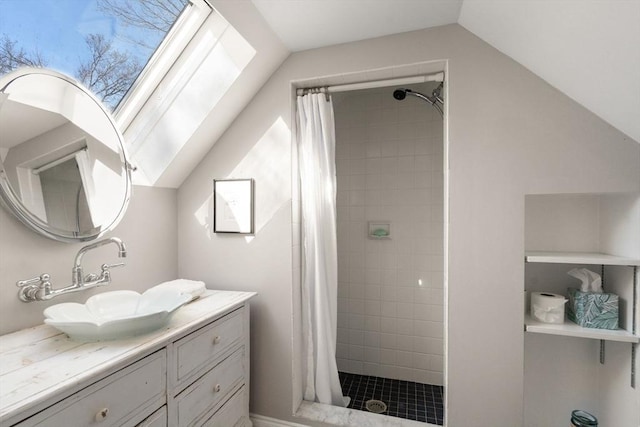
154	15
12	56
108	72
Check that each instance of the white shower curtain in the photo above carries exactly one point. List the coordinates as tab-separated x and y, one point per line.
85	166
316	156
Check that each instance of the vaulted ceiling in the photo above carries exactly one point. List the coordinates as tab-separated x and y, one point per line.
588	49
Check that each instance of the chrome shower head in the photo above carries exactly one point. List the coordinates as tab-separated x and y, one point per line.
400	94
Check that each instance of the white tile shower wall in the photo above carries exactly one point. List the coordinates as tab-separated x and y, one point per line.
60	186
389	158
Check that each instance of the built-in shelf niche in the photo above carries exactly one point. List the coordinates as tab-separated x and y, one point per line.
570	329
600	232
584	223
563	231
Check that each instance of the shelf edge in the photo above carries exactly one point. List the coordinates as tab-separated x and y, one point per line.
578	258
573	330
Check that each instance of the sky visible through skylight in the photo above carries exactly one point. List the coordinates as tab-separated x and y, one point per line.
85	38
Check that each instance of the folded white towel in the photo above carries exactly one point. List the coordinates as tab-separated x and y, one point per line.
193	287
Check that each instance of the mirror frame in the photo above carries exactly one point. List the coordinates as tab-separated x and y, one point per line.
10	200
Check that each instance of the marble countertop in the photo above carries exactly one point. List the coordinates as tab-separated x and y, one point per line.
41	362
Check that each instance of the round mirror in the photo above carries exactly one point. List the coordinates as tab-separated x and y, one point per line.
63	168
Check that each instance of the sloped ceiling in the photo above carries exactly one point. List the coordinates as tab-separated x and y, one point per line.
588	49
307	24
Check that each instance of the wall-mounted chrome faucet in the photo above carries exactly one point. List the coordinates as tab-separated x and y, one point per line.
40	289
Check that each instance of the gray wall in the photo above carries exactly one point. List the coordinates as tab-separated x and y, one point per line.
509	134
149	229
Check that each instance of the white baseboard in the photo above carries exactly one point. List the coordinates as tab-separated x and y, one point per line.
262	421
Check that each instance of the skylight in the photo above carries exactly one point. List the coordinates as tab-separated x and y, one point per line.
161	66
105	44
187	79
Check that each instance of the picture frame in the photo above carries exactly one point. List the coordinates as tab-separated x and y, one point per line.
233	206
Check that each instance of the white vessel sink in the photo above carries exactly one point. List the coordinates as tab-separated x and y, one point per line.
115	315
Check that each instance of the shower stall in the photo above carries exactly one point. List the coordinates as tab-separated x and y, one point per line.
390	244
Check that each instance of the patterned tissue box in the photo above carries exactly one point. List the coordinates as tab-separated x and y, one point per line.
593	310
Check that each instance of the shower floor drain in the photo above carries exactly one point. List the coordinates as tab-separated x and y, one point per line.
376	406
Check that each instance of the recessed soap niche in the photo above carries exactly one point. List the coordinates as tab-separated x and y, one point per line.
379	230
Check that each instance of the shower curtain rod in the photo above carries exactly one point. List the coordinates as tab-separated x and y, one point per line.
437	77
56	162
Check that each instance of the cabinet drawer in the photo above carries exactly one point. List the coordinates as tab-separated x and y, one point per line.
233	413
196	352
157	419
217	384
121	399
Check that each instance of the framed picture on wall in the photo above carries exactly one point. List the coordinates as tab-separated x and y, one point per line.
233	206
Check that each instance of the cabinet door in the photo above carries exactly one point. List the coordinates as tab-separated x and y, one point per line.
119	400
207	392
232	413
157	419
196	353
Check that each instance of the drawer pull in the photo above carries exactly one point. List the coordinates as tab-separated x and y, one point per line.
101	415
217	388
217	339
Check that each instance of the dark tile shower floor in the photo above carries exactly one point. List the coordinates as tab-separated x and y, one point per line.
404	399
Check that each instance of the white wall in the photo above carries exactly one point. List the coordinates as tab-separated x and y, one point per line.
149	230
569	45
620	220
620	235
389	158
563	222
509	134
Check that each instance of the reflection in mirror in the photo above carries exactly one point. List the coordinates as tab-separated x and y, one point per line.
63	194
63	171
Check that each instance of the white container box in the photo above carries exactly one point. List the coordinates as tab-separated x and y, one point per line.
547	307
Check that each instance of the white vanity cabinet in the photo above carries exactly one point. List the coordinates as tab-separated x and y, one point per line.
121	399
195	372
210	366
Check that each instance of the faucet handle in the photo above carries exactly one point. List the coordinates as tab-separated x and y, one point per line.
42	279
36	289
106	267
